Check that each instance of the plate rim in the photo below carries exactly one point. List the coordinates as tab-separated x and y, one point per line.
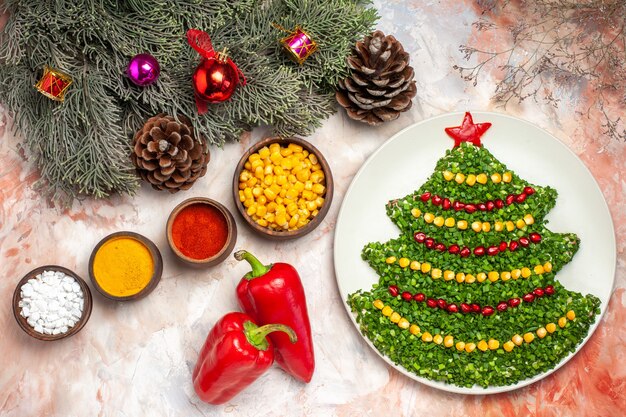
475	390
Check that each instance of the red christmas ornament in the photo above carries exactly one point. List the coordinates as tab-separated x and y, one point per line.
217	76
468	131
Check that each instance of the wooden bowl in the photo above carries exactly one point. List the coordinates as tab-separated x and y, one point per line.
87	306
288	234
156	258
231	239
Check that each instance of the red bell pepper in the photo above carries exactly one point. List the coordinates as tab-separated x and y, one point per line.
236	352
274	294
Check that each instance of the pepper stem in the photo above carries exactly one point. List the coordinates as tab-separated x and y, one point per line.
257	335
258	269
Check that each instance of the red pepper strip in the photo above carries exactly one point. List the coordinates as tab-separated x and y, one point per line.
274	294
236	352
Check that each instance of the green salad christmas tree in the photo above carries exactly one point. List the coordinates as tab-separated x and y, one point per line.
467	293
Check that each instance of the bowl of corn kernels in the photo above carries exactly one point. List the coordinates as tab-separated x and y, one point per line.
283	187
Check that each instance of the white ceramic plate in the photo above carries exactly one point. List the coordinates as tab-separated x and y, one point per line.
403	163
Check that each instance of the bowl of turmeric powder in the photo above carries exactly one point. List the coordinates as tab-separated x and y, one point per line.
125	266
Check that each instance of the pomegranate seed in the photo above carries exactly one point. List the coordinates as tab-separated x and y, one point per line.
441	303
425	197
520	198
539	292
440	247
419	297
514	302
432	303
492	250
502	306
502	247
513	245
393	290
529	190
479	251
430	243
549	290
499	203
437	200
481	207
466	308
454	249
487	311
475	308
509	199
465	252
419	237
457	205
535	237
490	205
452	308
407	296
446	204
528	298
470	208
524	241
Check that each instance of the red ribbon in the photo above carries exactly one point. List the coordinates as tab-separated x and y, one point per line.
201	42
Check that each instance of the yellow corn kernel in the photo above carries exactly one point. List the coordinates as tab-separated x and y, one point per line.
517	339
279	199
469	347
510	226
304	175
551	327
414	329
317	176
251	210
460	346
308	185
302	222
438	221
387	311
244	176
299	186
449	222
520	223
425	268
481	179
270	217
508	346
403	323
481	276
292	179
570	315
248	202
395	317
378	304
448	176
498	226
448	275
477	226
460	277
526	272
319	201
403	262
268	170
438	339
493	276
415	265
318	189
529	337
261	211
391	260
313	159
293	222
436	273
257	163
291	194
541	332
308	195
459	178
310	205
286	151
295	147
461	224
516	273
496	178
470	180
448	341
470	279
482	345
314	213
547	267
529	219
415	212
275	147
486	226
242	196
507	176
247	192
254	157
281	180
271	207
562	322
505	275
242	185
429	217
281	219
264	152
427	337
493	344
261	199
262	222
538	269
257	191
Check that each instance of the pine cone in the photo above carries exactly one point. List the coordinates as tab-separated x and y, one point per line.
381	84
167	154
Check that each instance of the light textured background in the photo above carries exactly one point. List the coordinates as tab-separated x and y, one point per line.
135	359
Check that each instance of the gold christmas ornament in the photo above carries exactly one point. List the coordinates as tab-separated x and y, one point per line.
53	83
299	43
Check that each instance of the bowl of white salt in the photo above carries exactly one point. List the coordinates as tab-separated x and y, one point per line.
51	303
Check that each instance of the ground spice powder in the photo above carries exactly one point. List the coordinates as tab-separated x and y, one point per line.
199	231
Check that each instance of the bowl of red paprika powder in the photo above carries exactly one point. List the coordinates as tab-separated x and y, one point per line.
201	232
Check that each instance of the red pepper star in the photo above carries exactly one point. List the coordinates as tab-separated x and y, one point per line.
468	131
